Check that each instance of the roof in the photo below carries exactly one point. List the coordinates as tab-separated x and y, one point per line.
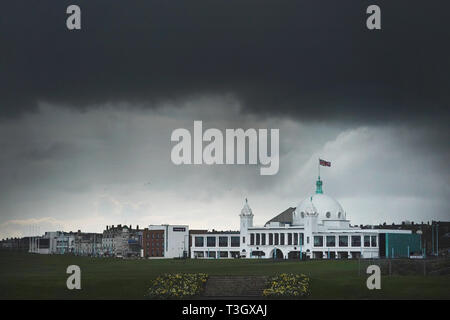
223	232
324	205
284	217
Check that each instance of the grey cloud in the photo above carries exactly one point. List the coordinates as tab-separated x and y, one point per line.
304	60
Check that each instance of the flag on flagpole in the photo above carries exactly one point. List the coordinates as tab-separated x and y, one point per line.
324	163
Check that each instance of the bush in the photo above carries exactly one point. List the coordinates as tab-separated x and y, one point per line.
177	286
287	285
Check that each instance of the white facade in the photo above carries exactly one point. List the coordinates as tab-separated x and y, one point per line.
63	243
53	242
318	229
216	245
176	239
35	246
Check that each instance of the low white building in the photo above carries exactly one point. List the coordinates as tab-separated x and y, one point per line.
317	228
39	244
53	242
218	245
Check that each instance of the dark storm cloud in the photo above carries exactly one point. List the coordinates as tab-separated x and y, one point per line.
308	59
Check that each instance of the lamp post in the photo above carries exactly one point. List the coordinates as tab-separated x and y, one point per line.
432	238
301	251
437	239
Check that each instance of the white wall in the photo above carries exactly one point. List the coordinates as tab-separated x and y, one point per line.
217	249
176	239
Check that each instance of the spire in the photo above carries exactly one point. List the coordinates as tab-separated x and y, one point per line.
310	209
319	186
246	210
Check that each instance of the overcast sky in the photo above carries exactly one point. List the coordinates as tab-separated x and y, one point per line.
86	116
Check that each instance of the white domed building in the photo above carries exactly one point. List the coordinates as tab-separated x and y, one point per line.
317	228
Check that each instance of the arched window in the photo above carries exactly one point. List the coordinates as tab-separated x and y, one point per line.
328	214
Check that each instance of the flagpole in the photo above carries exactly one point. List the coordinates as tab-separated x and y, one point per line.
318	167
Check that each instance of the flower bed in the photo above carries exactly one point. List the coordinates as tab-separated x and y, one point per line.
177	286
287	285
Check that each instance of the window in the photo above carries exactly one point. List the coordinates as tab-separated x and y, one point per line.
331	241
366	241
211	242
199	241
234	254
258	239
339	215
243	239
276	238
295	239
263	239
318	241
252	239
223	241
235	241
223	254
307	240
289	239
199	254
270	239
212	254
282	239
302	239
302	214
328	214
356	241
373	241
343	241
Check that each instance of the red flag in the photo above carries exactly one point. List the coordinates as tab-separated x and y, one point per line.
324	163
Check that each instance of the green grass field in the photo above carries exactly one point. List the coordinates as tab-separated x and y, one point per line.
26	276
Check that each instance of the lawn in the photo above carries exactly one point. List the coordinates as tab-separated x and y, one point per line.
28	276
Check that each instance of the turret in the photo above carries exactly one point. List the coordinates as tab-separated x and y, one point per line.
246	222
310	223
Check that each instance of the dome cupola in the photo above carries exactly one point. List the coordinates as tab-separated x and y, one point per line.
324	206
